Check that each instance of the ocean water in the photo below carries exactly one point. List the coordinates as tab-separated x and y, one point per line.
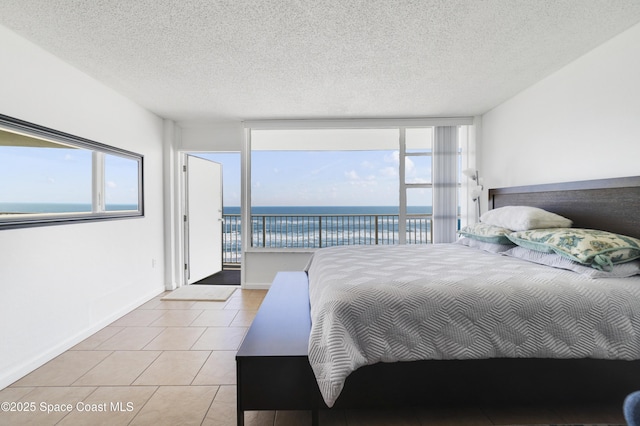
289	226
322	226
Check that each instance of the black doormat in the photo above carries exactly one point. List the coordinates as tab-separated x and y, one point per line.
225	277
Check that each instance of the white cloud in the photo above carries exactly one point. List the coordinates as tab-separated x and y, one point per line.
389	171
352	175
326	166
357	180
418	180
395	159
409	166
111	184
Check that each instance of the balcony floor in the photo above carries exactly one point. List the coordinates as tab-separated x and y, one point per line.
225	277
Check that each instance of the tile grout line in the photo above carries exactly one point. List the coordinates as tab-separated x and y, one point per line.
145	404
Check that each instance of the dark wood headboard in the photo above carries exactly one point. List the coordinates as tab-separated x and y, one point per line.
608	204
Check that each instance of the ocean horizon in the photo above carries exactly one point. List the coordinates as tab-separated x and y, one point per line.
288	226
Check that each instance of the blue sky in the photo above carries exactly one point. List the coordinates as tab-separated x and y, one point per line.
322	178
62	175
45	175
286	171
279	178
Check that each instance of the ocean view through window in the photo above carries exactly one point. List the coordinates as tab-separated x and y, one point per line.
312	188
298	187
319	188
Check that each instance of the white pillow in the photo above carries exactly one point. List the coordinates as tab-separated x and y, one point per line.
523	218
482	245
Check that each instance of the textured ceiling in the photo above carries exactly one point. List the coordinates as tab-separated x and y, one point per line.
206	60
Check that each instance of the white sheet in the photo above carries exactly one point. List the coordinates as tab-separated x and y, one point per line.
374	304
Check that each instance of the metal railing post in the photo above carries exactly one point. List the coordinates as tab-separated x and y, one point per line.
376	229
319	231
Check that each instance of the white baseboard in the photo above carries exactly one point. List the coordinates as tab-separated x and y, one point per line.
26	367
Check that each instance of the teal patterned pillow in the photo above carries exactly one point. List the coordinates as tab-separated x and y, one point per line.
486	233
599	249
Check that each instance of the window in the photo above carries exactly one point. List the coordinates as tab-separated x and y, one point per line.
418	176
121	190
304	148
50	177
321	187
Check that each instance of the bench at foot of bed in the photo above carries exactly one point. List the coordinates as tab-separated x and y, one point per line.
273	371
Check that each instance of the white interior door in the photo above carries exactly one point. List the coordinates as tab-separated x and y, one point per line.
203	218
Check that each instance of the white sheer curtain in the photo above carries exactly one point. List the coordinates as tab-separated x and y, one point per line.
445	184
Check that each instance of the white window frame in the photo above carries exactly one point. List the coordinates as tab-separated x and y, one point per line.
400	123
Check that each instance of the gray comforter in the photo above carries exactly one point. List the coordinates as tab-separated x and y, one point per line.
374	304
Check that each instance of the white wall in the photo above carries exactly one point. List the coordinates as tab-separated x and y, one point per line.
582	122
59	284
262	265
221	136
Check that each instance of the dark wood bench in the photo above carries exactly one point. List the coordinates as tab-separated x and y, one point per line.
273	370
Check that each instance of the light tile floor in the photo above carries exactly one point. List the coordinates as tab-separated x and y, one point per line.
173	363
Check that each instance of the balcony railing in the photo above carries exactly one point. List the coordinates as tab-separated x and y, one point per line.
316	231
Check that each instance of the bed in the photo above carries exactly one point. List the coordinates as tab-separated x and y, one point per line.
280	367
